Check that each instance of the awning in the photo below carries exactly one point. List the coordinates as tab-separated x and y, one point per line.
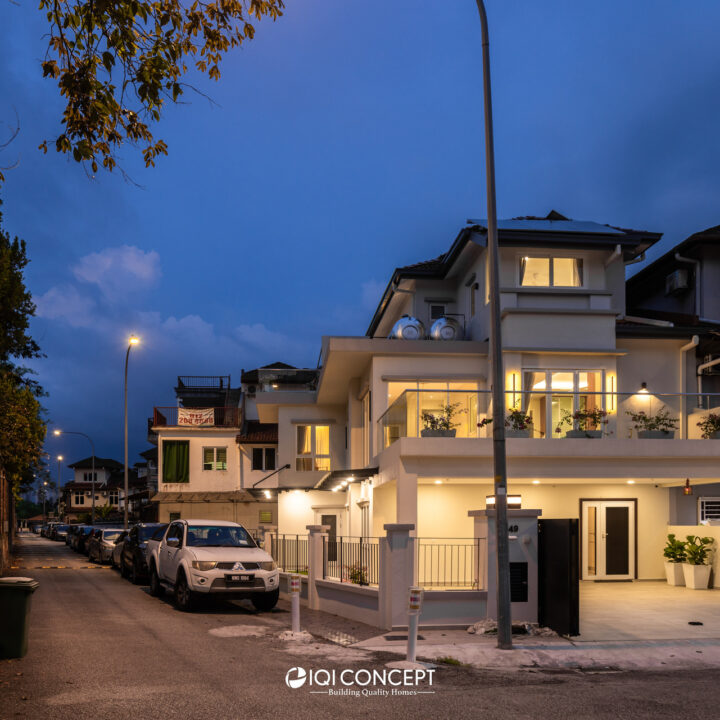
336	477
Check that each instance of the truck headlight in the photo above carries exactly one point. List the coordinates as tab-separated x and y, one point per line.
268	565
204	564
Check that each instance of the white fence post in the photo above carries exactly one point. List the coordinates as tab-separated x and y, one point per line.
397	573
316	549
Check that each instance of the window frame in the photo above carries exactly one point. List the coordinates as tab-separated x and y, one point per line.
702	512
313	455
214	462
114	494
78	494
264	451
551	270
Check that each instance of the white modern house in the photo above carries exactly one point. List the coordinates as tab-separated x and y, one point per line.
391	443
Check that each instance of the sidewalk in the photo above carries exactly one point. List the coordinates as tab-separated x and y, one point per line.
555	653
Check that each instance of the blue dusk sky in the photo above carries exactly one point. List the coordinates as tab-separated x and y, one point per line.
344	141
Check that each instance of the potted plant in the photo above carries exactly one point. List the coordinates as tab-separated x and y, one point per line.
710	426
518	424
674	553
696	567
658	426
584	423
440	424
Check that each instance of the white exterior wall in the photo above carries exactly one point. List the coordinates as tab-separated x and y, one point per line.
203	480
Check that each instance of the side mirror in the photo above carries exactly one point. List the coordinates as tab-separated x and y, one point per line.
173	542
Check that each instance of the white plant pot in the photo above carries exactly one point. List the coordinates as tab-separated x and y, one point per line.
697	577
674	573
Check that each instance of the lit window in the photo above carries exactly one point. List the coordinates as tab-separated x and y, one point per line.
263	458
215	458
313	448
266	516
551	272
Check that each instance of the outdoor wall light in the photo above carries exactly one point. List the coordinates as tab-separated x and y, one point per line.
643	388
267	494
630	482
687	490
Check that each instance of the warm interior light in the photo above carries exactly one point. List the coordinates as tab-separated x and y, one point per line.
336	488
438	482
630	482
267	494
536	482
344	483
133	340
514	500
56	432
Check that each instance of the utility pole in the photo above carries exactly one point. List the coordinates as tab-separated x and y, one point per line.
504	619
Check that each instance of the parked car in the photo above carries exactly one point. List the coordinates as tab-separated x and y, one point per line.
81	538
116	553
211	558
59	532
132	563
101	543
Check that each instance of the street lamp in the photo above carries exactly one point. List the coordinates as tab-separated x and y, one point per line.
504	619
132	340
57	433
44	497
59	460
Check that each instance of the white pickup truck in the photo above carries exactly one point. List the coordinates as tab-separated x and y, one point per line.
211	557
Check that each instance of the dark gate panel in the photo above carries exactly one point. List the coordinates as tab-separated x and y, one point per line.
558	575
617	536
331	521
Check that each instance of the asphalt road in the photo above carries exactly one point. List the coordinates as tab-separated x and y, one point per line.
103	648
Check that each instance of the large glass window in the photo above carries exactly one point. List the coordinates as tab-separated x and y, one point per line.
551	272
176	461
313	448
415	399
263	458
552	396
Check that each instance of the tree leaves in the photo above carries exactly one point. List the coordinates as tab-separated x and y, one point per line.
118	63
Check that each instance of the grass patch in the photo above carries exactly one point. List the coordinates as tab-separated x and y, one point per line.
451	661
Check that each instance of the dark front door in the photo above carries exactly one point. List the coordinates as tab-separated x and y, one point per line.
558	577
331	521
617	537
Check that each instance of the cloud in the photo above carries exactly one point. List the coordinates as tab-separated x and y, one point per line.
65	302
118	270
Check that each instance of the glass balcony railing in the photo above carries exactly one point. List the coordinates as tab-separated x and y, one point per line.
552	415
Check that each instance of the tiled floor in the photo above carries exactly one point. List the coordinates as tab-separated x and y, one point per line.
646	610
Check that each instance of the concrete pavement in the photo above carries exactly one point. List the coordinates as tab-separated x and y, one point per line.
103	648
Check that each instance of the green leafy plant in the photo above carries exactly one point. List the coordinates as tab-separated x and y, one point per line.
710	425
517	419
357	574
104	511
584	419
444	420
659	421
697	549
674	550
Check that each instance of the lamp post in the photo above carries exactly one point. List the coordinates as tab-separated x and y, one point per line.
132	340
59	460
504	619
44	492
57	433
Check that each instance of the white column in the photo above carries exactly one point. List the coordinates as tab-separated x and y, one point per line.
316	547
397	573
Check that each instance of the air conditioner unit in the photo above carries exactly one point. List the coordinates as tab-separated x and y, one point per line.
251	390
676	282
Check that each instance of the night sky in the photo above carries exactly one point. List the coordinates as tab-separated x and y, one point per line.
345	140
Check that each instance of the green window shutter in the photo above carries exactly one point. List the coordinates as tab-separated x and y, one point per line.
208	458
221	458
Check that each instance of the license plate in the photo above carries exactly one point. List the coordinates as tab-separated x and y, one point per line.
239	578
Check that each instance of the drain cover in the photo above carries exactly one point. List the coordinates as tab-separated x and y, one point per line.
401	637
695	622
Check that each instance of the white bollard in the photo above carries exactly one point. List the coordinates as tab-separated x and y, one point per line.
295	602
415	596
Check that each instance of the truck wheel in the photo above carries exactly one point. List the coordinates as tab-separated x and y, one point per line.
266	601
156	588
184	597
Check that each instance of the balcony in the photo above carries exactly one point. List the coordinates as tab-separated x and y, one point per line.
548	415
221	417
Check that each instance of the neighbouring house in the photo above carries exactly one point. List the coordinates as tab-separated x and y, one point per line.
213	454
76	498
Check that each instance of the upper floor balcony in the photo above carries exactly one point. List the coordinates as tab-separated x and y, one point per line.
208	417
552	414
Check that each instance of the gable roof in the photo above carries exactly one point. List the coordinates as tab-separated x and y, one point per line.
100	464
257	432
553	230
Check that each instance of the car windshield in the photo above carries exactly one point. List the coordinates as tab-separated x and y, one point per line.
62	528
87	530
218	536
111	534
147	532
